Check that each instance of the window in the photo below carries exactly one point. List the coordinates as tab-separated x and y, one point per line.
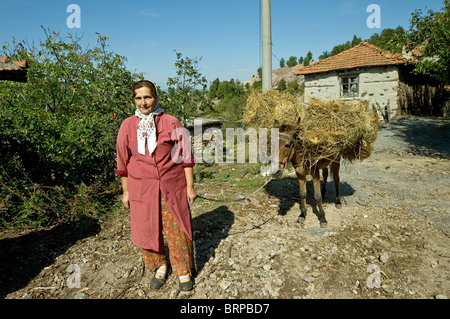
349	86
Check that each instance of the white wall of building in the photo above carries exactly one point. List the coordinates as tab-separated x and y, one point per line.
376	85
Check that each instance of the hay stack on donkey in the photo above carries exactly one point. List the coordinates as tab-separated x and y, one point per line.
322	135
290	150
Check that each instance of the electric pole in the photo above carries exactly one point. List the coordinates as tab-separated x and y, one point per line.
266	29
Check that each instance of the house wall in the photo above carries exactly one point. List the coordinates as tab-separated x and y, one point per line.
377	85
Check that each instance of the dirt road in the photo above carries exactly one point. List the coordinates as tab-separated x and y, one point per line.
389	240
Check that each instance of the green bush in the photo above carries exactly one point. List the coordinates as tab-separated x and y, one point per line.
58	130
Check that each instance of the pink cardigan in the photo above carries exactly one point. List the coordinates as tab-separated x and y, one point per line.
163	171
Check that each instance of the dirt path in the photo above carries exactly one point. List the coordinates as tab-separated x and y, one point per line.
389	240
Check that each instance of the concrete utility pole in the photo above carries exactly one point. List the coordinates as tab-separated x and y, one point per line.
266	45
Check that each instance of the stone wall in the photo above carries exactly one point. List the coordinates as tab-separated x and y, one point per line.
377	85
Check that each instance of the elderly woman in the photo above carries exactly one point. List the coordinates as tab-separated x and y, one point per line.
155	163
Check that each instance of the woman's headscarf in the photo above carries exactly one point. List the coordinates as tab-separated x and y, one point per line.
147	128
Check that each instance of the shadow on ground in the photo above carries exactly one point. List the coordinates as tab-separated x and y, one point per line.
287	190
24	257
210	229
426	136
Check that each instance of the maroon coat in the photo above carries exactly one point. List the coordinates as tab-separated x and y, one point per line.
150	174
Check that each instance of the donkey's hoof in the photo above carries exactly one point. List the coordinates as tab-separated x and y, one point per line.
338	206
323	225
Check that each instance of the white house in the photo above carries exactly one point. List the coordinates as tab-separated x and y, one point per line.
366	72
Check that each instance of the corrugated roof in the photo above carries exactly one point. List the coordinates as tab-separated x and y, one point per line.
361	55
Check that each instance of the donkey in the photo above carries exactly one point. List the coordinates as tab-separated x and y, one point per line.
288	146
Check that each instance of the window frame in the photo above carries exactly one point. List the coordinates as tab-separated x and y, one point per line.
351	79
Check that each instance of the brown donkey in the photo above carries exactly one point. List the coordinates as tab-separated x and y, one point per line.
288	146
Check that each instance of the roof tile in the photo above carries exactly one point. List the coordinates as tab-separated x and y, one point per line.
7	64
13	70
361	55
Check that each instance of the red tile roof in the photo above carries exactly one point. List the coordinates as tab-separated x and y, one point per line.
13	70
361	55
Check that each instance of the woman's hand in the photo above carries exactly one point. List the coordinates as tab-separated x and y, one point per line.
191	195
126	195
126	199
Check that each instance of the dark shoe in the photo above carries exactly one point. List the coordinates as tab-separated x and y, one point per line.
186	286
156	283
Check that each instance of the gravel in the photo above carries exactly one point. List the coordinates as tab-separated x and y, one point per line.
389	241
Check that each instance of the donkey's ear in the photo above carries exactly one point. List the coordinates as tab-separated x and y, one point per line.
276	124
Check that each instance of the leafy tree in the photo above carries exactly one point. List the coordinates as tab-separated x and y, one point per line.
341	48
257	85
431	33
186	95
355	41
292	61
308	59
282	63
213	88
223	89
58	130
260	72
294	88
324	55
282	85
392	40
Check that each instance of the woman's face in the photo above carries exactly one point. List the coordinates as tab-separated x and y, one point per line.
144	100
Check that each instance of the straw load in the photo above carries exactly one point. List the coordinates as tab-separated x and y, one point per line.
327	129
263	109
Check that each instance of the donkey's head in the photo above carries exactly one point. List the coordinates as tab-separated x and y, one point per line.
287	144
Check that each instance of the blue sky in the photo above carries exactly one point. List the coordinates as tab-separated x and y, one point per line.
226	34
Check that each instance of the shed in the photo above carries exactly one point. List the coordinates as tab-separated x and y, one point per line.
13	70
366	72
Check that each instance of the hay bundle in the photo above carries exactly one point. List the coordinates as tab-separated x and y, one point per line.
328	130
335	129
263	109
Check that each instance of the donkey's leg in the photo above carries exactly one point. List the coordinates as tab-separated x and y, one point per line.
318	197
302	187
335	166
324	185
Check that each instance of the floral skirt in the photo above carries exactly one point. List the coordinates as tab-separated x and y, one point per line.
179	244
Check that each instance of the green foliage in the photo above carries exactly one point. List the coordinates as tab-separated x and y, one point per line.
232	99
389	39
392	40
342	47
292	61
260	72
282	63
220	90
257	85
324	55
58	130
308	59
431	33
282	86
186	97
293	88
